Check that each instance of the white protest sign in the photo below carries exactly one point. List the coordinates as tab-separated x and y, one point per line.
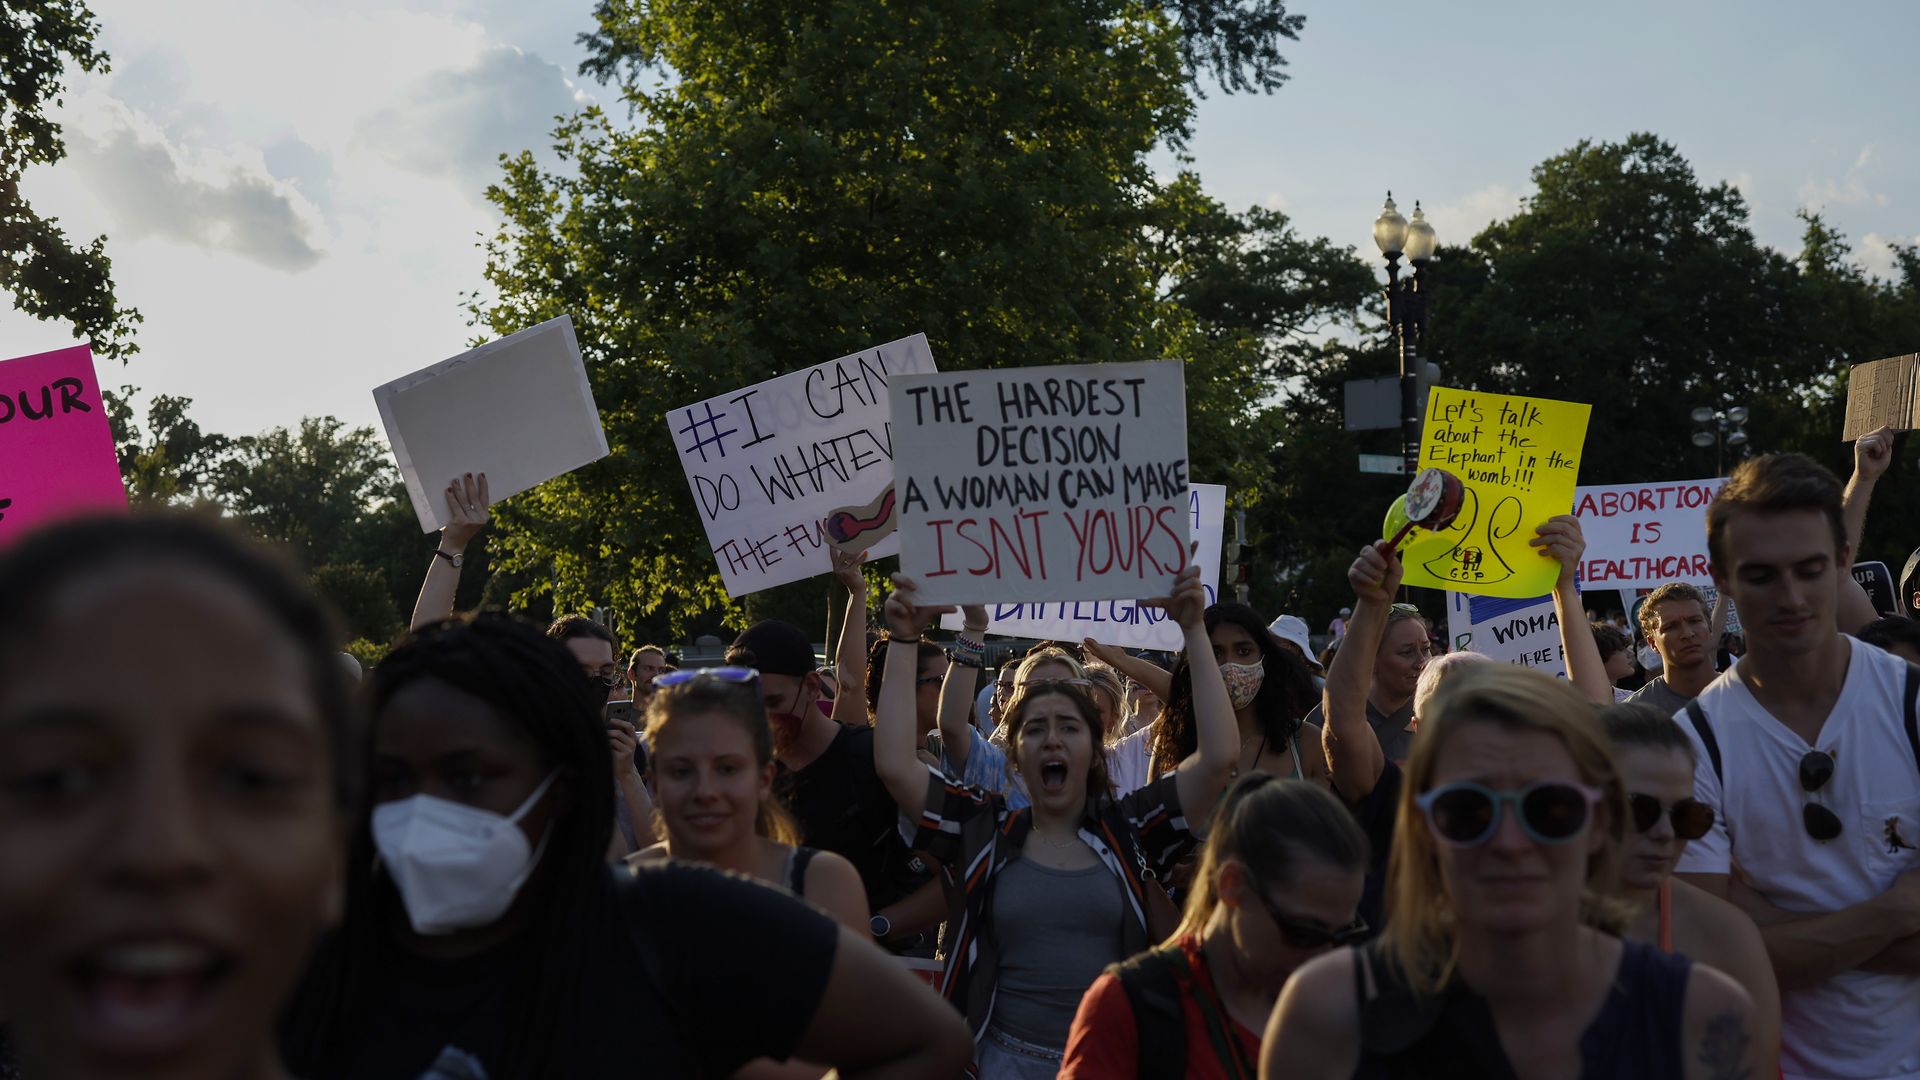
1524	632
1120	622
768	462
1045	483
518	409
1644	535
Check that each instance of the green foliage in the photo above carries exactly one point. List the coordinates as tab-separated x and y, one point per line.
361	597
1236	41
369	653
1627	283
173	460
810	179
48	277
306	490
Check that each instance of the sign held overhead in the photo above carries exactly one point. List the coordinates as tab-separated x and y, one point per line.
518	409
1043	484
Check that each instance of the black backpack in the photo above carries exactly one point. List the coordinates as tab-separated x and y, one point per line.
1152	984
1151	981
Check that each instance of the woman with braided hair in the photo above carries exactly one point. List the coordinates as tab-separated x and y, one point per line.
486	936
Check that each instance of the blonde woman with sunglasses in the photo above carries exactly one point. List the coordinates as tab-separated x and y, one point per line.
1501	955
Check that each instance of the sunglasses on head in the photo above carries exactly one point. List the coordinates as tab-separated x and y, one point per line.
1816	768
1691	818
732	676
1468	814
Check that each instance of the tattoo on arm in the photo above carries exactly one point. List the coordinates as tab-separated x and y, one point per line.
1724	1050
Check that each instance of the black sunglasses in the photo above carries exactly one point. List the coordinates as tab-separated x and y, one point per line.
1305	936
1691	818
1816	768
608	678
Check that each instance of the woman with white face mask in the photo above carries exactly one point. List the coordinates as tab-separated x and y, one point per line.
486	937
1270	689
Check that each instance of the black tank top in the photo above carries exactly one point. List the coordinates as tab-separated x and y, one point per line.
1637	1033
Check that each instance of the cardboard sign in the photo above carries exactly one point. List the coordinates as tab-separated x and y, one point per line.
56	451
1120	622
518	409
768	463
1047	483
1518	458
1523	631
1883	393
1877	580
1645	535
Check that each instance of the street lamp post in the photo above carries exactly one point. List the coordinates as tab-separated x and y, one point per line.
1406	310
1719	430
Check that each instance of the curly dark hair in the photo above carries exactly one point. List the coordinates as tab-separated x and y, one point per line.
1286	694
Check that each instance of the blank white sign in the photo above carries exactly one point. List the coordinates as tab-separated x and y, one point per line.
518	409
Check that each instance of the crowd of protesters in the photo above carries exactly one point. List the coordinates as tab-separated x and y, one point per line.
511	852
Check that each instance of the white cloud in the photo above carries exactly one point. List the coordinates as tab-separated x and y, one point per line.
1848	190
1460	220
1874	253
455	123
230	135
1279	202
152	187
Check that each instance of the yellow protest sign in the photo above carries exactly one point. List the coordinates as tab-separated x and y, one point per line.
1519	459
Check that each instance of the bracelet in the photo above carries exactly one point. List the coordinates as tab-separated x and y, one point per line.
973	629
970	646
956	657
895	639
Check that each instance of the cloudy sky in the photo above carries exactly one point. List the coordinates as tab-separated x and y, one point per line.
292	188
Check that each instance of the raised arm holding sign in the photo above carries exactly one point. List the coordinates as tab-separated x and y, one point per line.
518	409
1517	458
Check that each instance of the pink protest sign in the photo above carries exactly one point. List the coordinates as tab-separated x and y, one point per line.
56	451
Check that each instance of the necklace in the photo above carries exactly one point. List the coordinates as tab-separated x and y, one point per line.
1070	841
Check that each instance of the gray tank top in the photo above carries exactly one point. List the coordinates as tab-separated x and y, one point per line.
1058	930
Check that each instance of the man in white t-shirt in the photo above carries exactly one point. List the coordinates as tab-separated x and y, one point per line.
1804	754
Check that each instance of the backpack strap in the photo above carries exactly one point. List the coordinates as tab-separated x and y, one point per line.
1159	1020
1699	719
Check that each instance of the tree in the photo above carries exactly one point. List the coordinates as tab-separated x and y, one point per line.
1627	283
805	180
173	461
48	277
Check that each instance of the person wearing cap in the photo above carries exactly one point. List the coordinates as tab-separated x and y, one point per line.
1338	627
825	778
1290	632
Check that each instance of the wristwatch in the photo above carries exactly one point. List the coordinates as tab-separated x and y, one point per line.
880	926
456	559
